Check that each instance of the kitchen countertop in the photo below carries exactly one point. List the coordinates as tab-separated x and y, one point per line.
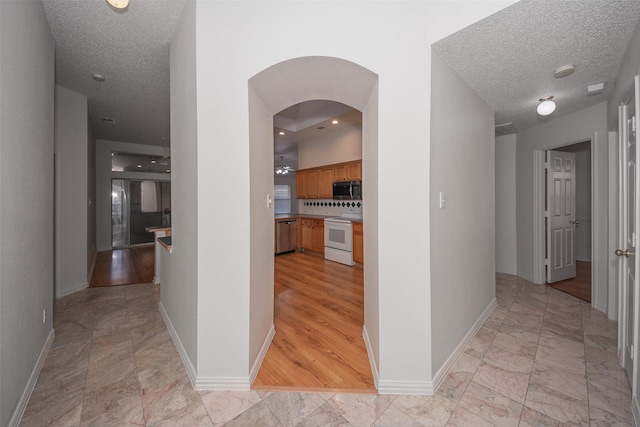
166	242
303	215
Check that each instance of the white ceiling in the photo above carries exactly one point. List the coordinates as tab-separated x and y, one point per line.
509	58
131	49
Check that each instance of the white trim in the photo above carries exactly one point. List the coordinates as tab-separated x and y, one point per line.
31	384
635	408
263	352
421	388
222	383
191	371
539	159
69	291
444	369
372	359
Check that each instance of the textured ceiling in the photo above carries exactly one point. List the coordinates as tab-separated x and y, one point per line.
131	49
509	58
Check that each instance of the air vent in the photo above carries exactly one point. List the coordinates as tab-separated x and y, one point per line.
321	127
109	120
505	129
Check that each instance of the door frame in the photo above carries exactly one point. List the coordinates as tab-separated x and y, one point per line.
539	201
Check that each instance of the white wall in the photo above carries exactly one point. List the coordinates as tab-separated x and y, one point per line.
462	166
179	293
564	130
91	197
103	182
71	205
398	51
26	205
506	246
340	146
629	68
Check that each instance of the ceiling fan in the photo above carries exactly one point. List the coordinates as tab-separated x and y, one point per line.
282	169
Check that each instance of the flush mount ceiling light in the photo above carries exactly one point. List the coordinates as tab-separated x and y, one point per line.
334	122
564	71
546	106
119	4
282	169
98	77
281	133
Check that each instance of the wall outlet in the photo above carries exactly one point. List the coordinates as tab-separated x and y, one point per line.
44	315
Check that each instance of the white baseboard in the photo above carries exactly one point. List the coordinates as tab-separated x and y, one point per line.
422	388
372	359
635	408
68	291
222	383
444	369
263	352
191	371
31	384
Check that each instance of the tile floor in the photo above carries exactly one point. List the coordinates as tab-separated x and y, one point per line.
541	358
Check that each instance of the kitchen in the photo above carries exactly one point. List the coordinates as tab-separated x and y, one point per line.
318	246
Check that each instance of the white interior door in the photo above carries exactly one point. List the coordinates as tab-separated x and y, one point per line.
628	261
561	208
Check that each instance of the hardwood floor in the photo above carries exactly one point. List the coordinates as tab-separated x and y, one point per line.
579	286
319	313
124	267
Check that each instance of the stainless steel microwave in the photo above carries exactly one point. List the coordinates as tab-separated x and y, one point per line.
347	190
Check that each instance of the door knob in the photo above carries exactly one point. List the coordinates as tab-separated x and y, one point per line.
576	222
620	252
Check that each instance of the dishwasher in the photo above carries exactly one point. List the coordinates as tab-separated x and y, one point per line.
286	235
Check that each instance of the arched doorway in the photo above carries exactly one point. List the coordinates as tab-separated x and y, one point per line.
270	91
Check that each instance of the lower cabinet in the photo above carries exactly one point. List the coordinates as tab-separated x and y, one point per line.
312	234
358	242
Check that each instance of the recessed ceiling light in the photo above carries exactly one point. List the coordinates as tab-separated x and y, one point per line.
546	106
98	77
153	161
119	4
139	166
564	71
168	170
281	133
334	122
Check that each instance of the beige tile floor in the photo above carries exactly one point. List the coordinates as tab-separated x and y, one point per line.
541	358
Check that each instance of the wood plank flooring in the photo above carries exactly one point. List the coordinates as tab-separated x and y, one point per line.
124	267
579	286
319	313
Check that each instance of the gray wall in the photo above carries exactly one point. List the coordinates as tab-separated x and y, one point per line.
71	205
26	181
565	130
179	279
506	246
624	82
462	234
91	197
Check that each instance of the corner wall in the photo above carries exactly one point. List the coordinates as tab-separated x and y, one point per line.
463	231
72	178
26	206
506	242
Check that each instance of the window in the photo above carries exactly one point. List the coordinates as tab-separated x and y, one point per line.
282	197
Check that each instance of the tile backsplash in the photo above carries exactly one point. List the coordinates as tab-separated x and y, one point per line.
330	207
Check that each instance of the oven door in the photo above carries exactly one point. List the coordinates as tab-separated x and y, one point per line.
338	234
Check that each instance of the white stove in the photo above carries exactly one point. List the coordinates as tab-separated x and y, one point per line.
338	239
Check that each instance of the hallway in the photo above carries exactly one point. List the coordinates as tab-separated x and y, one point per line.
541	358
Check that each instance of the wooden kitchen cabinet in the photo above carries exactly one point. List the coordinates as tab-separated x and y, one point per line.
312	234
301	185
325	184
358	242
351	171
312	184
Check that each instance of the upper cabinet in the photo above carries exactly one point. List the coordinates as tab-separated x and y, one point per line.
350	171
317	183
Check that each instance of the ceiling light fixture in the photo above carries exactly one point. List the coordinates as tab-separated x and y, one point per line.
281	133
139	166
564	71
119	4
98	77
153	161
282	169
335	122
546	106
